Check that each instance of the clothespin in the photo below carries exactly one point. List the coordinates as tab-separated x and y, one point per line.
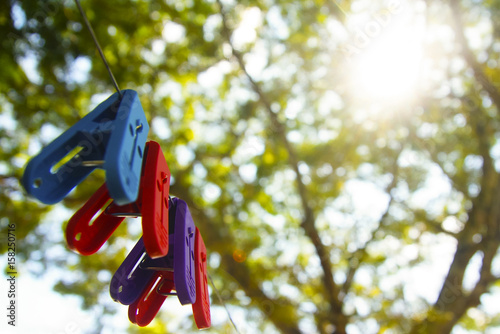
128	282
182	256
150	281
87	237
111	137
161	285
201	308
144	310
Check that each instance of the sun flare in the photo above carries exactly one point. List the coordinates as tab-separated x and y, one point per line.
387	71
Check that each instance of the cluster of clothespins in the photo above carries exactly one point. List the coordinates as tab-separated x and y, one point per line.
170	255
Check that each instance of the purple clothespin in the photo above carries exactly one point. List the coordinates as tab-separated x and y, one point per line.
181	260
138	268
128	281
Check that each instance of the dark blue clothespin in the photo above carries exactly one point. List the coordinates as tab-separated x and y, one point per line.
112	137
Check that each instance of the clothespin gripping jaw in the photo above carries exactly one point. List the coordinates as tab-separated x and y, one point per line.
85	236
112	137
129	280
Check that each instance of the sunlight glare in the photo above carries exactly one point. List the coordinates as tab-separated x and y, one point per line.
387	73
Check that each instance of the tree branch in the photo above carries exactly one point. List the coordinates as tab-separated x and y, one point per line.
469	56
308	222
484	217
360	255
219	239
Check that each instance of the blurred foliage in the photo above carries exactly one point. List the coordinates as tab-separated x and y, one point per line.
291	179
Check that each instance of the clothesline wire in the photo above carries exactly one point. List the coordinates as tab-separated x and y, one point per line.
99	49
223	304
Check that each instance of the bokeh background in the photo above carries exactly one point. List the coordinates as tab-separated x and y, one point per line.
340	158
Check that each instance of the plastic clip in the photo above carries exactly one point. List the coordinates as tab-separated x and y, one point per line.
112	137
149	281
182	256
161	285
128	281
86	237
145	308
180	259
154	206
201	308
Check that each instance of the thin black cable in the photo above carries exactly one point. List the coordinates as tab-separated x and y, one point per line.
223	303
89	27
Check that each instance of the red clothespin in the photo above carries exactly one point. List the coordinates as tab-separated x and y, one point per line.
155	195
87	237
144	309
201	308
161	285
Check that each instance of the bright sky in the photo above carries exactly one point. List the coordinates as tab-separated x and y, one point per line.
39	310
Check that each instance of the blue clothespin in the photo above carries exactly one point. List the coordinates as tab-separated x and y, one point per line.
112	137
